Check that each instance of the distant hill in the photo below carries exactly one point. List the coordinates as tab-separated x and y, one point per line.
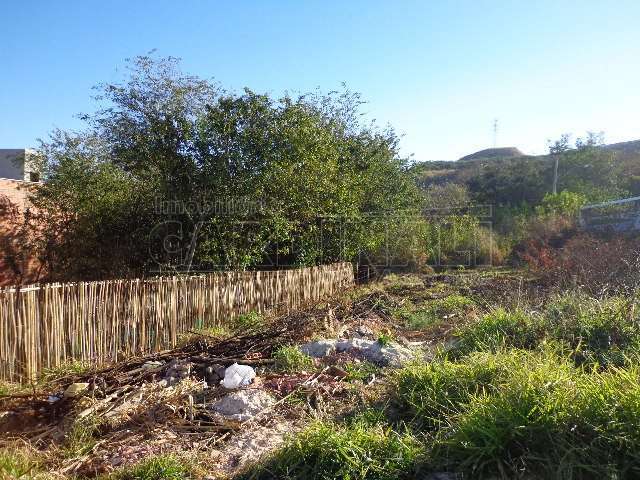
625	150
489	153
506	176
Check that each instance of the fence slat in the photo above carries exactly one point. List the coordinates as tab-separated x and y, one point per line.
100	322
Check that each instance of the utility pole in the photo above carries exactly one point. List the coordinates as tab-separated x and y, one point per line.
555	174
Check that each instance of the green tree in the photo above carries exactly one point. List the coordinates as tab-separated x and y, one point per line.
173	170
587	168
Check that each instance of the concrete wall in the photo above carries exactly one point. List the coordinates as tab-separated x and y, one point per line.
17	164
12	163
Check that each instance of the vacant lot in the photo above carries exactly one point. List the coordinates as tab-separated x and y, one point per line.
482	374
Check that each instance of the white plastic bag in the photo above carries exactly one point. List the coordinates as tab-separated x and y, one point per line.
238	376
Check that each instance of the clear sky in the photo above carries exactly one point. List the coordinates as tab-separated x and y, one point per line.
439	72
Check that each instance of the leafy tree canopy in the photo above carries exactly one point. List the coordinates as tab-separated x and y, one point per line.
173	170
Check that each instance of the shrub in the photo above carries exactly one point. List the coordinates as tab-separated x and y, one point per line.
597	265
160	137
565	203
329	451
541	237
459	240
291	359
248	321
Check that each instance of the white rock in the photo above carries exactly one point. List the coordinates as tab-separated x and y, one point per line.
76	390
237	376
354	343
392	354
243	404
364	331
319	349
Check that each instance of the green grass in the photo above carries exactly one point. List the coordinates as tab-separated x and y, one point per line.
520	414
361	371
553	393
385	339
417	317
511	414
17	463
81	437
596	332
248	321
164	467
606	332
333	451
9	388
499	329
217	333
290	359
401	283
69	368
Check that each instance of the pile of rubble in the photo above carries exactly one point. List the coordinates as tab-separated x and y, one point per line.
390	354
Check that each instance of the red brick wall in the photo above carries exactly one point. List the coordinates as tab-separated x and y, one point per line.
16	191
14	201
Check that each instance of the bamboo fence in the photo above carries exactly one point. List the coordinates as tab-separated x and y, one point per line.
44	326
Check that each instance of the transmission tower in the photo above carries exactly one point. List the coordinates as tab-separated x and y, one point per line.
495	132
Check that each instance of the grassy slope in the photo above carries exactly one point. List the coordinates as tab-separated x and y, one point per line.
521	393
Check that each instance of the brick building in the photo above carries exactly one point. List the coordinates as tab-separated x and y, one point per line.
16	264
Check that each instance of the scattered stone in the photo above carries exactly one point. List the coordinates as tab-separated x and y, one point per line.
319	349
353	344
238	376
178	370
243	405
392	354
364	331
76	390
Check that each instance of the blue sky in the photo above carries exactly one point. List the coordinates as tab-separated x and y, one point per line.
439	72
